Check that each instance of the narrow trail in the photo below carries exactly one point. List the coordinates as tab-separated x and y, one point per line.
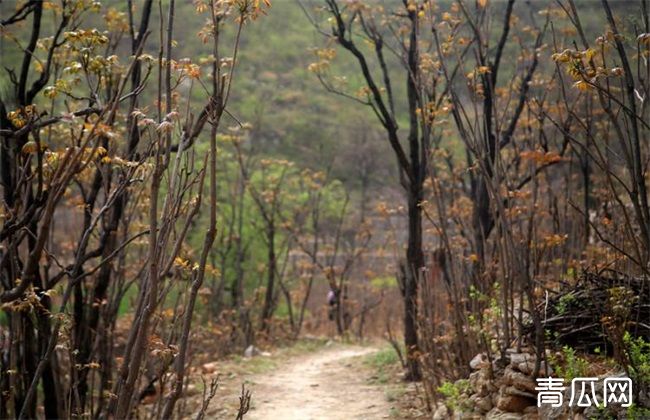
323	385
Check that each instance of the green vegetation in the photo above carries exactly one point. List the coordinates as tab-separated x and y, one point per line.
383	358
453	393
385	282
638	351
383	363
207	175
570	365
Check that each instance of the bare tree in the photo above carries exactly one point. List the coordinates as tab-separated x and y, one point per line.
352	23
66	178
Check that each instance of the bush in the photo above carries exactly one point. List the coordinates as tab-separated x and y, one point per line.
453	393
638	355
570	366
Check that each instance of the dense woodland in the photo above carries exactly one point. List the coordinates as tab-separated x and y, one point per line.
191	177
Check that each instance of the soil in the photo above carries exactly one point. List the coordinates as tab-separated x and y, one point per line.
329	383
321	385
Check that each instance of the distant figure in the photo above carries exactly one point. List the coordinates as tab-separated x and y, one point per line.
331	301
331	297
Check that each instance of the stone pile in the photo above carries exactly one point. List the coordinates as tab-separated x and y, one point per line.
505	390
502	390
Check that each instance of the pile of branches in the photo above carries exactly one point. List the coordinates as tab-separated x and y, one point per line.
589	314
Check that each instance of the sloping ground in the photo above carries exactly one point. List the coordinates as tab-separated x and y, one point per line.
328	383
321	385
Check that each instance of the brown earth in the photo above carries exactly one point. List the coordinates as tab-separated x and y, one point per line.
328	383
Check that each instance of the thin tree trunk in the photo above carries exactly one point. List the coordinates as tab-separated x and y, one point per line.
267	310
415	262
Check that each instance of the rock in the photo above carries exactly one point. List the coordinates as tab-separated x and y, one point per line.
252	351
494	397
517	358
480	382
441	413
511	390
478	362
531	410
613	411
265	354
483	404
518	380
208	368
528	366
514	403
610	412
548	412
497	414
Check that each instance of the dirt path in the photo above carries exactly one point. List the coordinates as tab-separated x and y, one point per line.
318	386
